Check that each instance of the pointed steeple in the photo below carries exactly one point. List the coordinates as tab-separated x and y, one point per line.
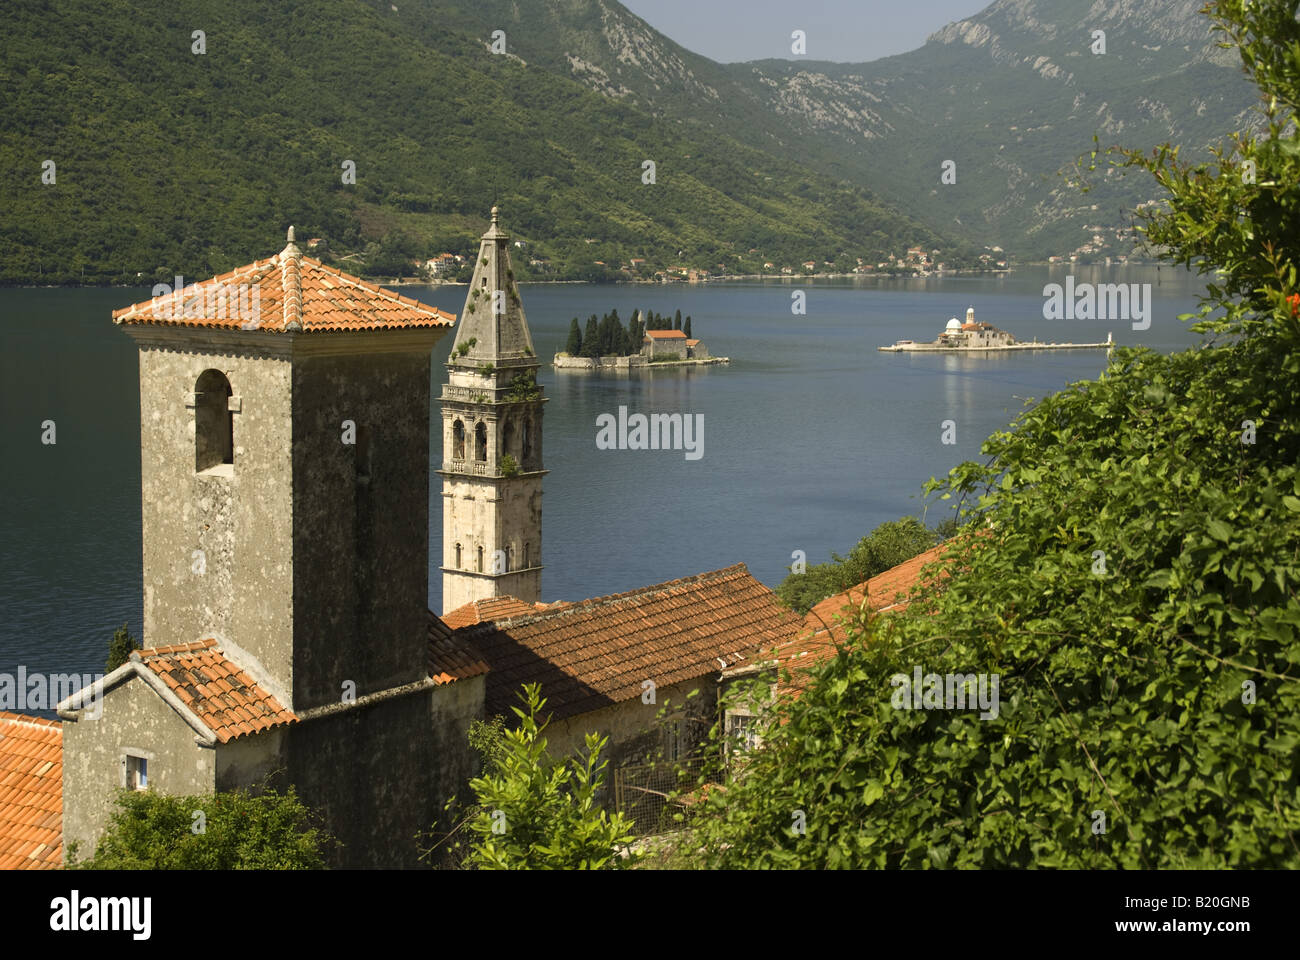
493	315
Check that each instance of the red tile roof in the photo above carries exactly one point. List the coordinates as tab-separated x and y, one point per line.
31	793
665	334
285	289
450	658
597	652
228	701
490	608
824	629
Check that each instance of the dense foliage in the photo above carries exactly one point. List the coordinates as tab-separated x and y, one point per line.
223	831
539	813
1134	589
886	546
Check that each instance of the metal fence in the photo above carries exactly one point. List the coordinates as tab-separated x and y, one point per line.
643	792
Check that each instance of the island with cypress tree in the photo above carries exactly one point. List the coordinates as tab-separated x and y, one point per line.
648	339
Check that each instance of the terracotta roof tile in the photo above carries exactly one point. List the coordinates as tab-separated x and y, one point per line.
282	290
31	802
665	334
450	658
823	629
491	608
597	652
186	669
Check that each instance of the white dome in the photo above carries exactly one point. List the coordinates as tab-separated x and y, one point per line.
954	324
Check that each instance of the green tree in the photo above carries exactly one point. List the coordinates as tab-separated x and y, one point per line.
677	320
542	814
686	327
886	546
222	831
591	338
119	648
1133	587
574	345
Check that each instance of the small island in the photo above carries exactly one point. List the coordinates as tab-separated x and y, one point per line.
972	337
648	339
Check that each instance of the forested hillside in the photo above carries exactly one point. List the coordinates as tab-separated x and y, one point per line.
129	156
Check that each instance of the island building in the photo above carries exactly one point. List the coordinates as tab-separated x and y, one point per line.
973	333
658	343
285	527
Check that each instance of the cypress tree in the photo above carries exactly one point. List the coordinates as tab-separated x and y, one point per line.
686	327
677	321
591	338
574	345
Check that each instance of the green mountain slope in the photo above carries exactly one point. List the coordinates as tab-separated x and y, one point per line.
167	161
1012	96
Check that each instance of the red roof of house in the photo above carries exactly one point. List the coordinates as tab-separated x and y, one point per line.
692	343
228	701
597	652
290	288
490	608
31	793
665	334
824	627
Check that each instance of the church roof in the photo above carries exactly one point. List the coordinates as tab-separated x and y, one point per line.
665	335
492	323
31	793
285	292
227	700
598	652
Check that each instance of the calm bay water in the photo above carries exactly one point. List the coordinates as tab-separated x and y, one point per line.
811	436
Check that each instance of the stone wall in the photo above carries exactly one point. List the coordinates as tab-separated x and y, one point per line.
133	719
379	773
360	523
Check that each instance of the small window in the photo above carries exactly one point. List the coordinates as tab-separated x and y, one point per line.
742	730
525	554
528	442
458	556
214	442
479	568
480	441
458	441
137	773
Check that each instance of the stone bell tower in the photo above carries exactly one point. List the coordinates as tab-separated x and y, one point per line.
492	441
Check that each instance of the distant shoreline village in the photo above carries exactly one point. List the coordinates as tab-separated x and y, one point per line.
973	337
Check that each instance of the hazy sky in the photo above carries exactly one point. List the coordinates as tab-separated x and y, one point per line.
849	31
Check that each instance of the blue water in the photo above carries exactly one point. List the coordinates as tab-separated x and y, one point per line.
811	436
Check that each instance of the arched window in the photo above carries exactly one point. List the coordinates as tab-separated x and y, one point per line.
458	556
480	441
458	441
507	438
214	434
479	568
510	556
525	555
528	441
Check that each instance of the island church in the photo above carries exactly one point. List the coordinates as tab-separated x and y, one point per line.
285	468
